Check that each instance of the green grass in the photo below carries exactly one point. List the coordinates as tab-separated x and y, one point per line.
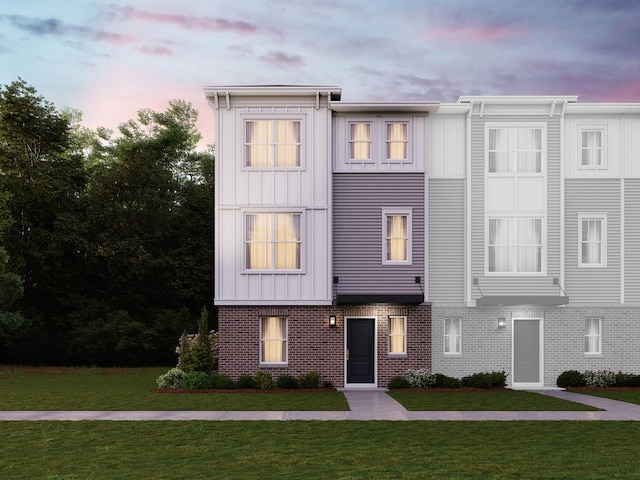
494	400
319	450
132	389
630	396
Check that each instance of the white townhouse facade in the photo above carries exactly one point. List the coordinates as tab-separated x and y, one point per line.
362	239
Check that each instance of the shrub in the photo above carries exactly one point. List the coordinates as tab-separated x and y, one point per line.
222	382
197	381
627	380
174	378
246	381
264	380
442	381
599	378
398	382
287	381
570	378
420	378
309	380
199	353
495	379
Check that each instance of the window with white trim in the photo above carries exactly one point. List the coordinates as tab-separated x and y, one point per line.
515	245
360	141
396	245
273	340
592	235
272	241
515	150
592	146
593	336
397	141
272	143
452	336
397	335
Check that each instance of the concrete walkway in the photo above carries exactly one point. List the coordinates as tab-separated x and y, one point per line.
364	405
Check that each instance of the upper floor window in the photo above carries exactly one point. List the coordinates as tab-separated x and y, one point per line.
397	141
397	237
592	232
592	147
515	150
360	141
272	241
272	143
515	245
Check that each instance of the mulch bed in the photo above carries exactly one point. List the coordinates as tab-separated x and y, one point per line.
245	390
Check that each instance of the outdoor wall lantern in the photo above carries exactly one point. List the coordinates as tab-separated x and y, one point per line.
332	320
501	322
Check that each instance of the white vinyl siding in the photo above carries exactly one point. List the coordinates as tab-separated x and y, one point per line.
593	336
453	336
397	237
592	235
272	241
272	143
273	340
397	336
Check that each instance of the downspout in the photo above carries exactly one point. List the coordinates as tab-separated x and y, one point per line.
563	160
467	214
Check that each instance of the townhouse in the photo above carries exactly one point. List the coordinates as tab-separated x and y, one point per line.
362	239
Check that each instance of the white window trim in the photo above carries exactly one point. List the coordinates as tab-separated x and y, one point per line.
391	212
543	266
373	151
286	341
383	142
593	216
444	337
599	352
273	271
403	354
273	117
378	138
497	125
594	128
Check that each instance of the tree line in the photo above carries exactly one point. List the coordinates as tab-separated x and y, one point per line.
106	241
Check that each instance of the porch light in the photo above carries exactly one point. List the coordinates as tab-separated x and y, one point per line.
332	320
501	322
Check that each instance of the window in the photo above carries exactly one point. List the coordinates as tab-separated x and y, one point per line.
397	237
272	143
360	141
272	241
273	340
515	150
592	154
397	141
515	245
592	234
593	336
397	335
452	336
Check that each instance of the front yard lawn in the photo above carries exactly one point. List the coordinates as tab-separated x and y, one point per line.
494	400
631	395
56	388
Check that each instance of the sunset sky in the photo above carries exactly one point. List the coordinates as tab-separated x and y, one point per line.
111	58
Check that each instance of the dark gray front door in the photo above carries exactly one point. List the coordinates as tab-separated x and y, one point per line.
360	350
526	351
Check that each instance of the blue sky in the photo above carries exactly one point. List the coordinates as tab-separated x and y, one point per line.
111	58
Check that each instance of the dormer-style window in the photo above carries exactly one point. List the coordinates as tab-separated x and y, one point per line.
397	141
360	141
592	147
272	143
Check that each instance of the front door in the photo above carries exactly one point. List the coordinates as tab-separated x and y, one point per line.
360	350
527	353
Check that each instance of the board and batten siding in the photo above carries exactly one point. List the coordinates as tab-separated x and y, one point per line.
358	202
515	284
446	240
632	240
592	285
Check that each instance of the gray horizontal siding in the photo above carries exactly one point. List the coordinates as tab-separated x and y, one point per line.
358	200
515	285
446	240
632	241
592	285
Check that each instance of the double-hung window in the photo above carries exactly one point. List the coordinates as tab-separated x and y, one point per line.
397	141
272	143
592	146
396	237
592	234
397	335
593	336
515	245
453	336
360	141
272	241
273	340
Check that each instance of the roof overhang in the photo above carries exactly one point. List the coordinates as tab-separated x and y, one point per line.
392	299
517	99
356	107
520	300
273	90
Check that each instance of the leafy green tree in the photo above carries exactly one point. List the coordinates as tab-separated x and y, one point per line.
10	291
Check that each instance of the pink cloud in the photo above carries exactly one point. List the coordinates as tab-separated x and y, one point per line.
160	51
188	22
282	59
470	34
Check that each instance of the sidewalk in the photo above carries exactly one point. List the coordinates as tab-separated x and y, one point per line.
364	405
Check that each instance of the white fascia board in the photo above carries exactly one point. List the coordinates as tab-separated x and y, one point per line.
353	107
517	99
603	108
270	90
453	108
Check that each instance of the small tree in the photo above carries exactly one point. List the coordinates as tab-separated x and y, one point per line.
199	353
